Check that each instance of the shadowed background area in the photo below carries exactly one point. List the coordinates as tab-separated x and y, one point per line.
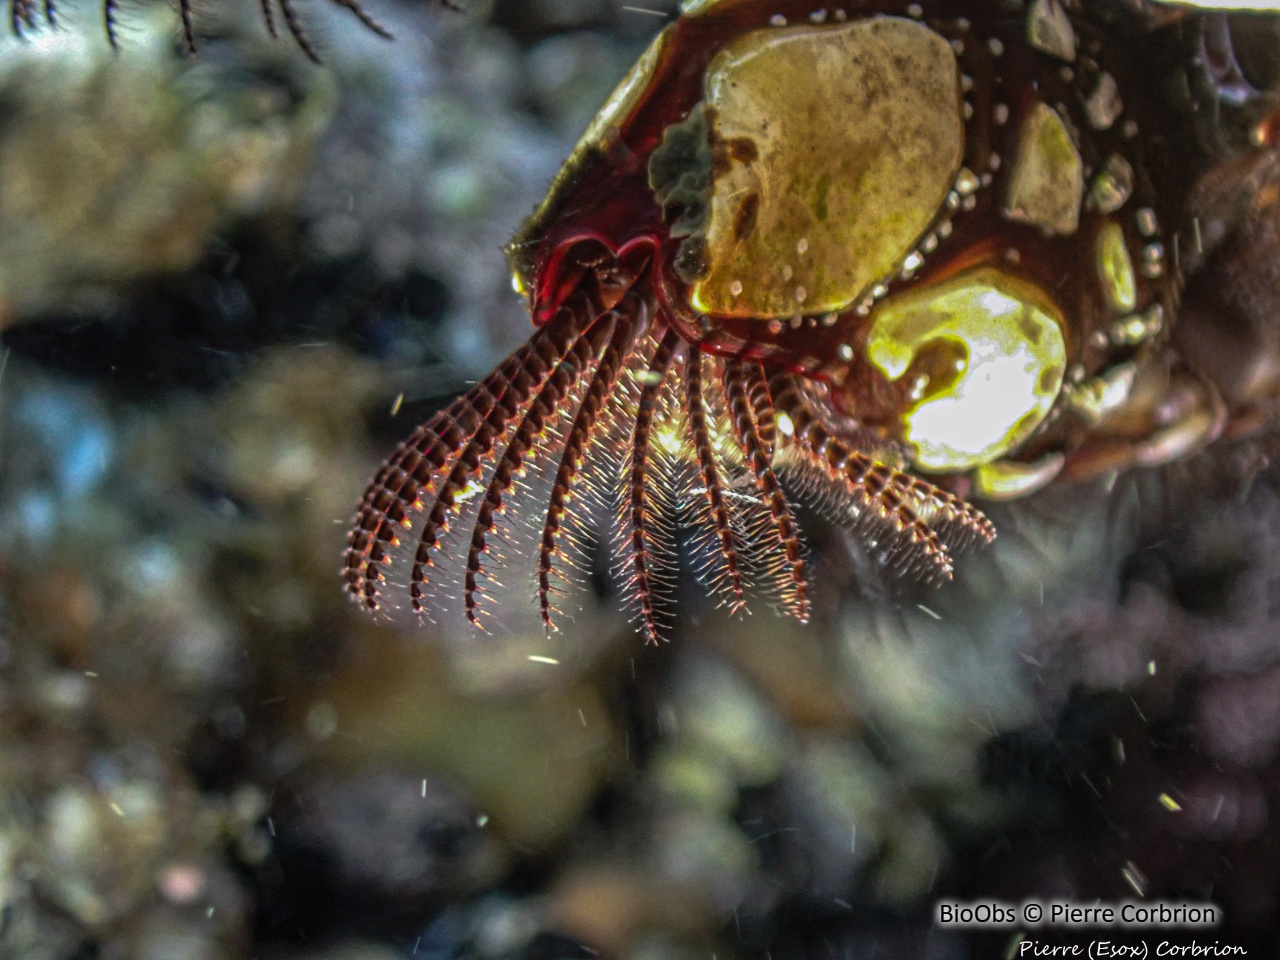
229	284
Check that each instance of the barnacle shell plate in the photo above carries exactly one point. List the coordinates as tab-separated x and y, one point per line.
1047	184
985	356
625	96
843	142
1115	268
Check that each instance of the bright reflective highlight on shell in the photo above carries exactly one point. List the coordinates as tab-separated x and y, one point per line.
985	359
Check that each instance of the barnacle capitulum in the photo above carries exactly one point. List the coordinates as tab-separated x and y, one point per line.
867	255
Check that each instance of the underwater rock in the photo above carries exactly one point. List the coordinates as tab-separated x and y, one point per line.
713	711
114	167
345	949
616	909
879	939
104	854
377	845
531	763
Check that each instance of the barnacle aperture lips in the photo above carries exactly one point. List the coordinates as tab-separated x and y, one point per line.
869	256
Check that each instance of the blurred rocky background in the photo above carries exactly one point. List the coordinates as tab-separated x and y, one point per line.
227	286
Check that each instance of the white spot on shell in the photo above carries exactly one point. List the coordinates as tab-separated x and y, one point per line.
1001	114
778	20
966	182
801	293
845	352
996	47
802	246
1136	328
735	288
915	10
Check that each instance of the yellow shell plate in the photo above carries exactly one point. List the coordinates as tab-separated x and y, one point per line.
841	143
1115	268
986	354
1047	183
